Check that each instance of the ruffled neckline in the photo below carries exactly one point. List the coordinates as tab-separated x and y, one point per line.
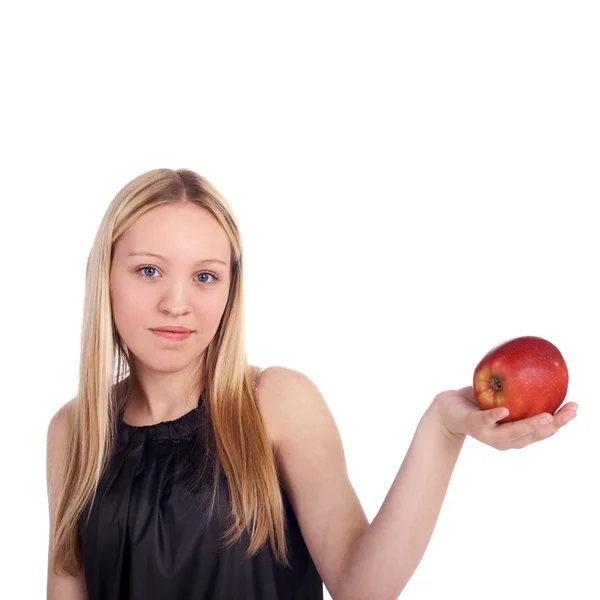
181	428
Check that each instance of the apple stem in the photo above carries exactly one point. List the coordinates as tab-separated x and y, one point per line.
496	384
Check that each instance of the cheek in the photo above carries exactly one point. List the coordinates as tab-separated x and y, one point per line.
208	306
206	315
130	310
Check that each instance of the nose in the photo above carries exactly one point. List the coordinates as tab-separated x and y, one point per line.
174	300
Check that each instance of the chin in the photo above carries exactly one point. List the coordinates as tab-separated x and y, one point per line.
162	362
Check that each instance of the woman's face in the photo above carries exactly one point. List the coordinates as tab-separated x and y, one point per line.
180	284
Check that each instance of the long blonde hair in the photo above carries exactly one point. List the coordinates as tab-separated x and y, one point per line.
242	448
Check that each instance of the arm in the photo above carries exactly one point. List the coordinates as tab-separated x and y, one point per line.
355	559
390	550
59	587
382	560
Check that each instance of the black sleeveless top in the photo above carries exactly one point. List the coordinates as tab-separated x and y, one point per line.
150	534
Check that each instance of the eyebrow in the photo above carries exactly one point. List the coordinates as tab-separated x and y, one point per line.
199	262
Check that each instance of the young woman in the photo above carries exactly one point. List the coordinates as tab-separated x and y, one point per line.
179	471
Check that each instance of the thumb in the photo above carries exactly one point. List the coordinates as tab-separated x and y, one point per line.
492	415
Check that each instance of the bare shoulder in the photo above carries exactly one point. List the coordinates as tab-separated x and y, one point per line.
312	469
287	398
57	442
58	428
65	587
276	378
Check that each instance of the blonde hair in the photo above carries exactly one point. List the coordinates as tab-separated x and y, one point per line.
242	448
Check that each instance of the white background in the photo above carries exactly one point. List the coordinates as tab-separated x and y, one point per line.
415	182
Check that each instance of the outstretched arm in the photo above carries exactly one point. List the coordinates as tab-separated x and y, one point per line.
355	559
381	562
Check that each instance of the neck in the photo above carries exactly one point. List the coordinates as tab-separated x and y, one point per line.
154	396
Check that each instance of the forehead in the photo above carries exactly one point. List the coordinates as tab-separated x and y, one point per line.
177	231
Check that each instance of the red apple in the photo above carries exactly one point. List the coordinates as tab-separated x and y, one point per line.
528	375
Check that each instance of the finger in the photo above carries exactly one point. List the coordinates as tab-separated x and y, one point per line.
563	416
521	433
538	435
513	430
570	406
566	413
528	439
543	430
517	429
491	416
484	419
506	442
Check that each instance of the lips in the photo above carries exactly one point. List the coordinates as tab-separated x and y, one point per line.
172	335
172	329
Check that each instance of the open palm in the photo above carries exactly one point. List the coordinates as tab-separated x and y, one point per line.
460	415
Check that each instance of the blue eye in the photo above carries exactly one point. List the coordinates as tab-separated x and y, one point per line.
141	270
